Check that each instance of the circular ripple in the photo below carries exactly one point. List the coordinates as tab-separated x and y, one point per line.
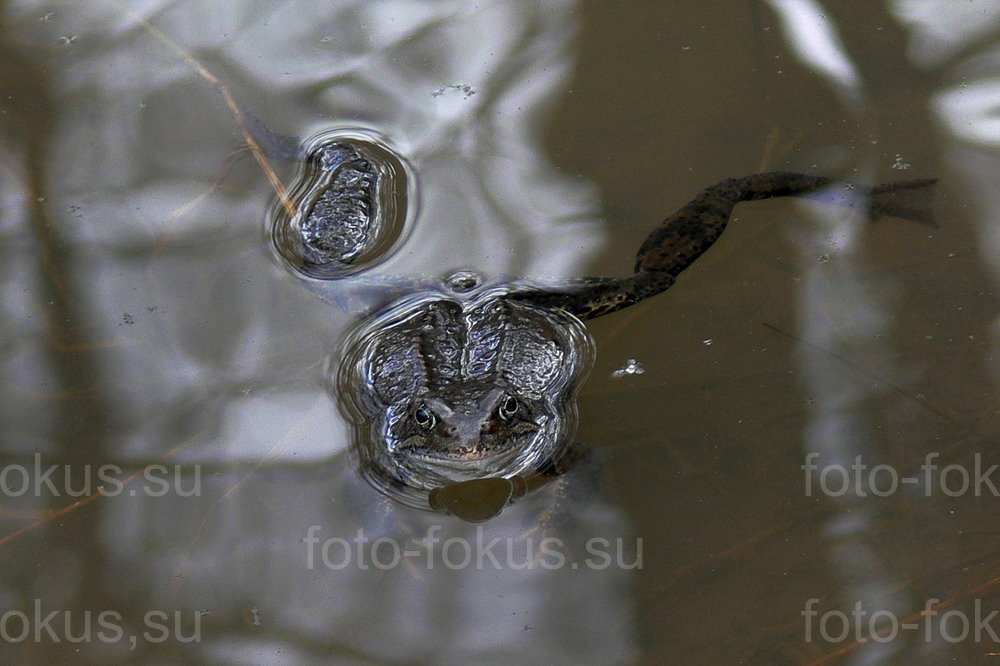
445	389
351	200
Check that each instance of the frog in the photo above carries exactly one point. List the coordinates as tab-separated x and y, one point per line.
462	394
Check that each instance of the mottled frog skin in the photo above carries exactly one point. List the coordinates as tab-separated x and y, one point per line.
463	397
347	195
450	389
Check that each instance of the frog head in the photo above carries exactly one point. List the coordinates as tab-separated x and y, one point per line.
445	390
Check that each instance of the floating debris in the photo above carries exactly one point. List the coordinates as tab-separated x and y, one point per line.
631	367
899	163
466	90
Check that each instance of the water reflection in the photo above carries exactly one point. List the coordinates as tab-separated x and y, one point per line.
844	312
837	312
140	319
184	345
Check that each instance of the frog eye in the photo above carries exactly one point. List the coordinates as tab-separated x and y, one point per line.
424	417
509	408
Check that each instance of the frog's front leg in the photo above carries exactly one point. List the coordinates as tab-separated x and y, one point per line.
572	476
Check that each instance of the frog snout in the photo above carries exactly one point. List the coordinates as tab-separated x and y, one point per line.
467	431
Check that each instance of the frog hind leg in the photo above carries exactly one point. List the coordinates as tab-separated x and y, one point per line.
680	239
685	235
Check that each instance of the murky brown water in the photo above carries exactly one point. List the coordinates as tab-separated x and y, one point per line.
733	510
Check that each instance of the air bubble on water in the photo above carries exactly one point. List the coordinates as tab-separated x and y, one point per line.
326	39
463	281
631	367
899	163
466	90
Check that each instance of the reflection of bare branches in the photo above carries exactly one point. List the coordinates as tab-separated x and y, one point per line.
276	453
238	114
912	619
55	514
879	379
84	414
82	417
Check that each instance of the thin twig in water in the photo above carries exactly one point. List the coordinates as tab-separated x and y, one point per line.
881	380
234	108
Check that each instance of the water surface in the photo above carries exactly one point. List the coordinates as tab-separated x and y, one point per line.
146	321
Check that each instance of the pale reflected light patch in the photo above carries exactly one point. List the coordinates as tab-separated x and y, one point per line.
13	200
845	524
816	43
17	296
26	372
298	426
971	111
269	651
976	170
841	316
452	102
838	216
940	28
390	21
220	350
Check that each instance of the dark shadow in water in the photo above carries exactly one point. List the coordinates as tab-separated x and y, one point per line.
81	416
